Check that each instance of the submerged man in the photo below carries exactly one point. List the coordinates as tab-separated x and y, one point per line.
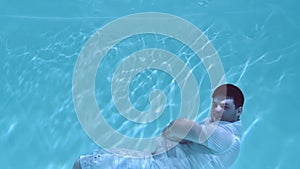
212	144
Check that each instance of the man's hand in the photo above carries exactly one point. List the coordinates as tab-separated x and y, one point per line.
178	130
169	134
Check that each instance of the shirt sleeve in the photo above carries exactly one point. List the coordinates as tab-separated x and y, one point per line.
220	140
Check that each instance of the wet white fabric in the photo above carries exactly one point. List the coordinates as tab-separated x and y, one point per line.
218	152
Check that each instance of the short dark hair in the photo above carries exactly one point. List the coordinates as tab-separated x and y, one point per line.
230	90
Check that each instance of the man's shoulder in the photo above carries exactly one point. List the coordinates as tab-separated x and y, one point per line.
233	127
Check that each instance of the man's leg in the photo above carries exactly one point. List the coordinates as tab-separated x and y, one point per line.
77	164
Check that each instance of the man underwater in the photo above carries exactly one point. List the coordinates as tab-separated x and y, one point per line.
212	144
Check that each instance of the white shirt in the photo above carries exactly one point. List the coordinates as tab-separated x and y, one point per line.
219	151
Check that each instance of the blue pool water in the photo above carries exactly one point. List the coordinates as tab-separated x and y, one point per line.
258	43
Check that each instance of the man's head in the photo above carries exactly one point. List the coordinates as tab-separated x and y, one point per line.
227	105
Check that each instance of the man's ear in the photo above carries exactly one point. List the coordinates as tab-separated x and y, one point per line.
239	111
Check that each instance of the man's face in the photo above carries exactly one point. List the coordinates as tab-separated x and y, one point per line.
223	109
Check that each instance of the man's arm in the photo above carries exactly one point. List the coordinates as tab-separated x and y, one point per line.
210	135
184	129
